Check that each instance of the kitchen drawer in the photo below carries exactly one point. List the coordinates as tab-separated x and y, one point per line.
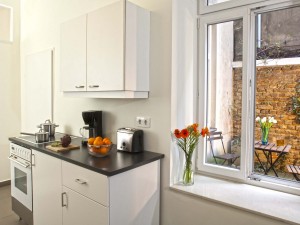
86	182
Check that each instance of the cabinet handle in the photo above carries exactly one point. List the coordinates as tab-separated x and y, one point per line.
79	181
93	86
79	86
62	199
32	159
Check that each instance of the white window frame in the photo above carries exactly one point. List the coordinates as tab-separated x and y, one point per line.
203	8
205	21
247	13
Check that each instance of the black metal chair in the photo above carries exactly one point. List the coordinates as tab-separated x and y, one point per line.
229	157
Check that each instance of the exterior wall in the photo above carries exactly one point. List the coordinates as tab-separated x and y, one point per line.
275	87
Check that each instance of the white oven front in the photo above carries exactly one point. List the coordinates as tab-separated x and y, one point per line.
21	184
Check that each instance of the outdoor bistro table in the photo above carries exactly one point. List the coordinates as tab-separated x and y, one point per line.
268	150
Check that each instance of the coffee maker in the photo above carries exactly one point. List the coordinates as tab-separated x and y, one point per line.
93	122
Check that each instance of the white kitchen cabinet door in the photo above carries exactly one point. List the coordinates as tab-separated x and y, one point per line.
80	210
47	189
135	196
73	55
105	48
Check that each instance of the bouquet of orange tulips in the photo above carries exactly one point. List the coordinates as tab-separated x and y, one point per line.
187	140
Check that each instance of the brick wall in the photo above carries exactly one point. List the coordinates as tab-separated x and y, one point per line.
274	89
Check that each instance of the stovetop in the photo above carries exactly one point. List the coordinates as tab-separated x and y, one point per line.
31	138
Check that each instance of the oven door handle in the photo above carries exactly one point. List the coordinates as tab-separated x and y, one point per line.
12	158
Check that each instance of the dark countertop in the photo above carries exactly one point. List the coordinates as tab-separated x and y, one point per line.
116	162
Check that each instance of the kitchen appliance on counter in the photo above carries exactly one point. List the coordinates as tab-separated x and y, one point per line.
130	140
93	120
21	183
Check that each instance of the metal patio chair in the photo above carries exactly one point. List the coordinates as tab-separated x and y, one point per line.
229	157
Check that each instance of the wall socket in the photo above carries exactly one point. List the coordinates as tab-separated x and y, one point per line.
143	121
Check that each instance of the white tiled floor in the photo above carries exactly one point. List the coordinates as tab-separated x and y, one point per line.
7	216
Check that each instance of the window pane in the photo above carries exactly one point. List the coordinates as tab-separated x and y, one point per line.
277	93
224	94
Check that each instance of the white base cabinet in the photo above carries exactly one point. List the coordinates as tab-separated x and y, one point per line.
64	193
47	189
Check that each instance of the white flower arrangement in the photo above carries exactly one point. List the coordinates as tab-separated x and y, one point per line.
266	122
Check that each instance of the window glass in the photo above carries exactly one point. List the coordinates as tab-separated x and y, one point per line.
277	127
224	95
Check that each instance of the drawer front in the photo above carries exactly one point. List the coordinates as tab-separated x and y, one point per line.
86	182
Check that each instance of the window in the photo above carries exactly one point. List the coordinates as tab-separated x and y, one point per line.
241	78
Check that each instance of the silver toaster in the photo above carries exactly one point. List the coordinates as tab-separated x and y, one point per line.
130	140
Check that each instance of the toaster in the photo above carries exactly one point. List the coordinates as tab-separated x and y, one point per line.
130	140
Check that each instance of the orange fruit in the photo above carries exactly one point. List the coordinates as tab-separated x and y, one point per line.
91	141
94	149
98	141
103	150
106	141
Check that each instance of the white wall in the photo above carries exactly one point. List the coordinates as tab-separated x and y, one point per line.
40	23
9	89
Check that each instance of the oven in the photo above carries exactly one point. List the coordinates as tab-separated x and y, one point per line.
21	181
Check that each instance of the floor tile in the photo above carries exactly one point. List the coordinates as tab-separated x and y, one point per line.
5	207
11	220
4	191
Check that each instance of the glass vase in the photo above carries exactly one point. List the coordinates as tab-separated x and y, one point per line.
264	135
188	173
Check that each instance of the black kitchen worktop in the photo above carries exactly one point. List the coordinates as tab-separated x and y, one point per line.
115	163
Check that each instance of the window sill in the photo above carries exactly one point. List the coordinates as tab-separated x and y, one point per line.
277	205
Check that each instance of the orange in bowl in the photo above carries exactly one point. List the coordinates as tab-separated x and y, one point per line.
91	141
99	151
106	141
98	141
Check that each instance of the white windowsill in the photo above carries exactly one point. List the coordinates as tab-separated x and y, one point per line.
277	205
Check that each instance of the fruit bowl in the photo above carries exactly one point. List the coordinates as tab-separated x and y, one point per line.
99	151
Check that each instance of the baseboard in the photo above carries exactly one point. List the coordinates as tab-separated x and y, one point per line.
4	183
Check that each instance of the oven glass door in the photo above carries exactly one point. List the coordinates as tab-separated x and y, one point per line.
21	186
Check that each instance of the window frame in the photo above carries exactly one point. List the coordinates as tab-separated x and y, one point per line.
205	21
203	8
216	15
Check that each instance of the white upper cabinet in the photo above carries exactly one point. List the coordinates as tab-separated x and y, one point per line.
105	48
73	55
107	52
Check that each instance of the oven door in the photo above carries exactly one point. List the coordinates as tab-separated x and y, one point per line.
21	185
